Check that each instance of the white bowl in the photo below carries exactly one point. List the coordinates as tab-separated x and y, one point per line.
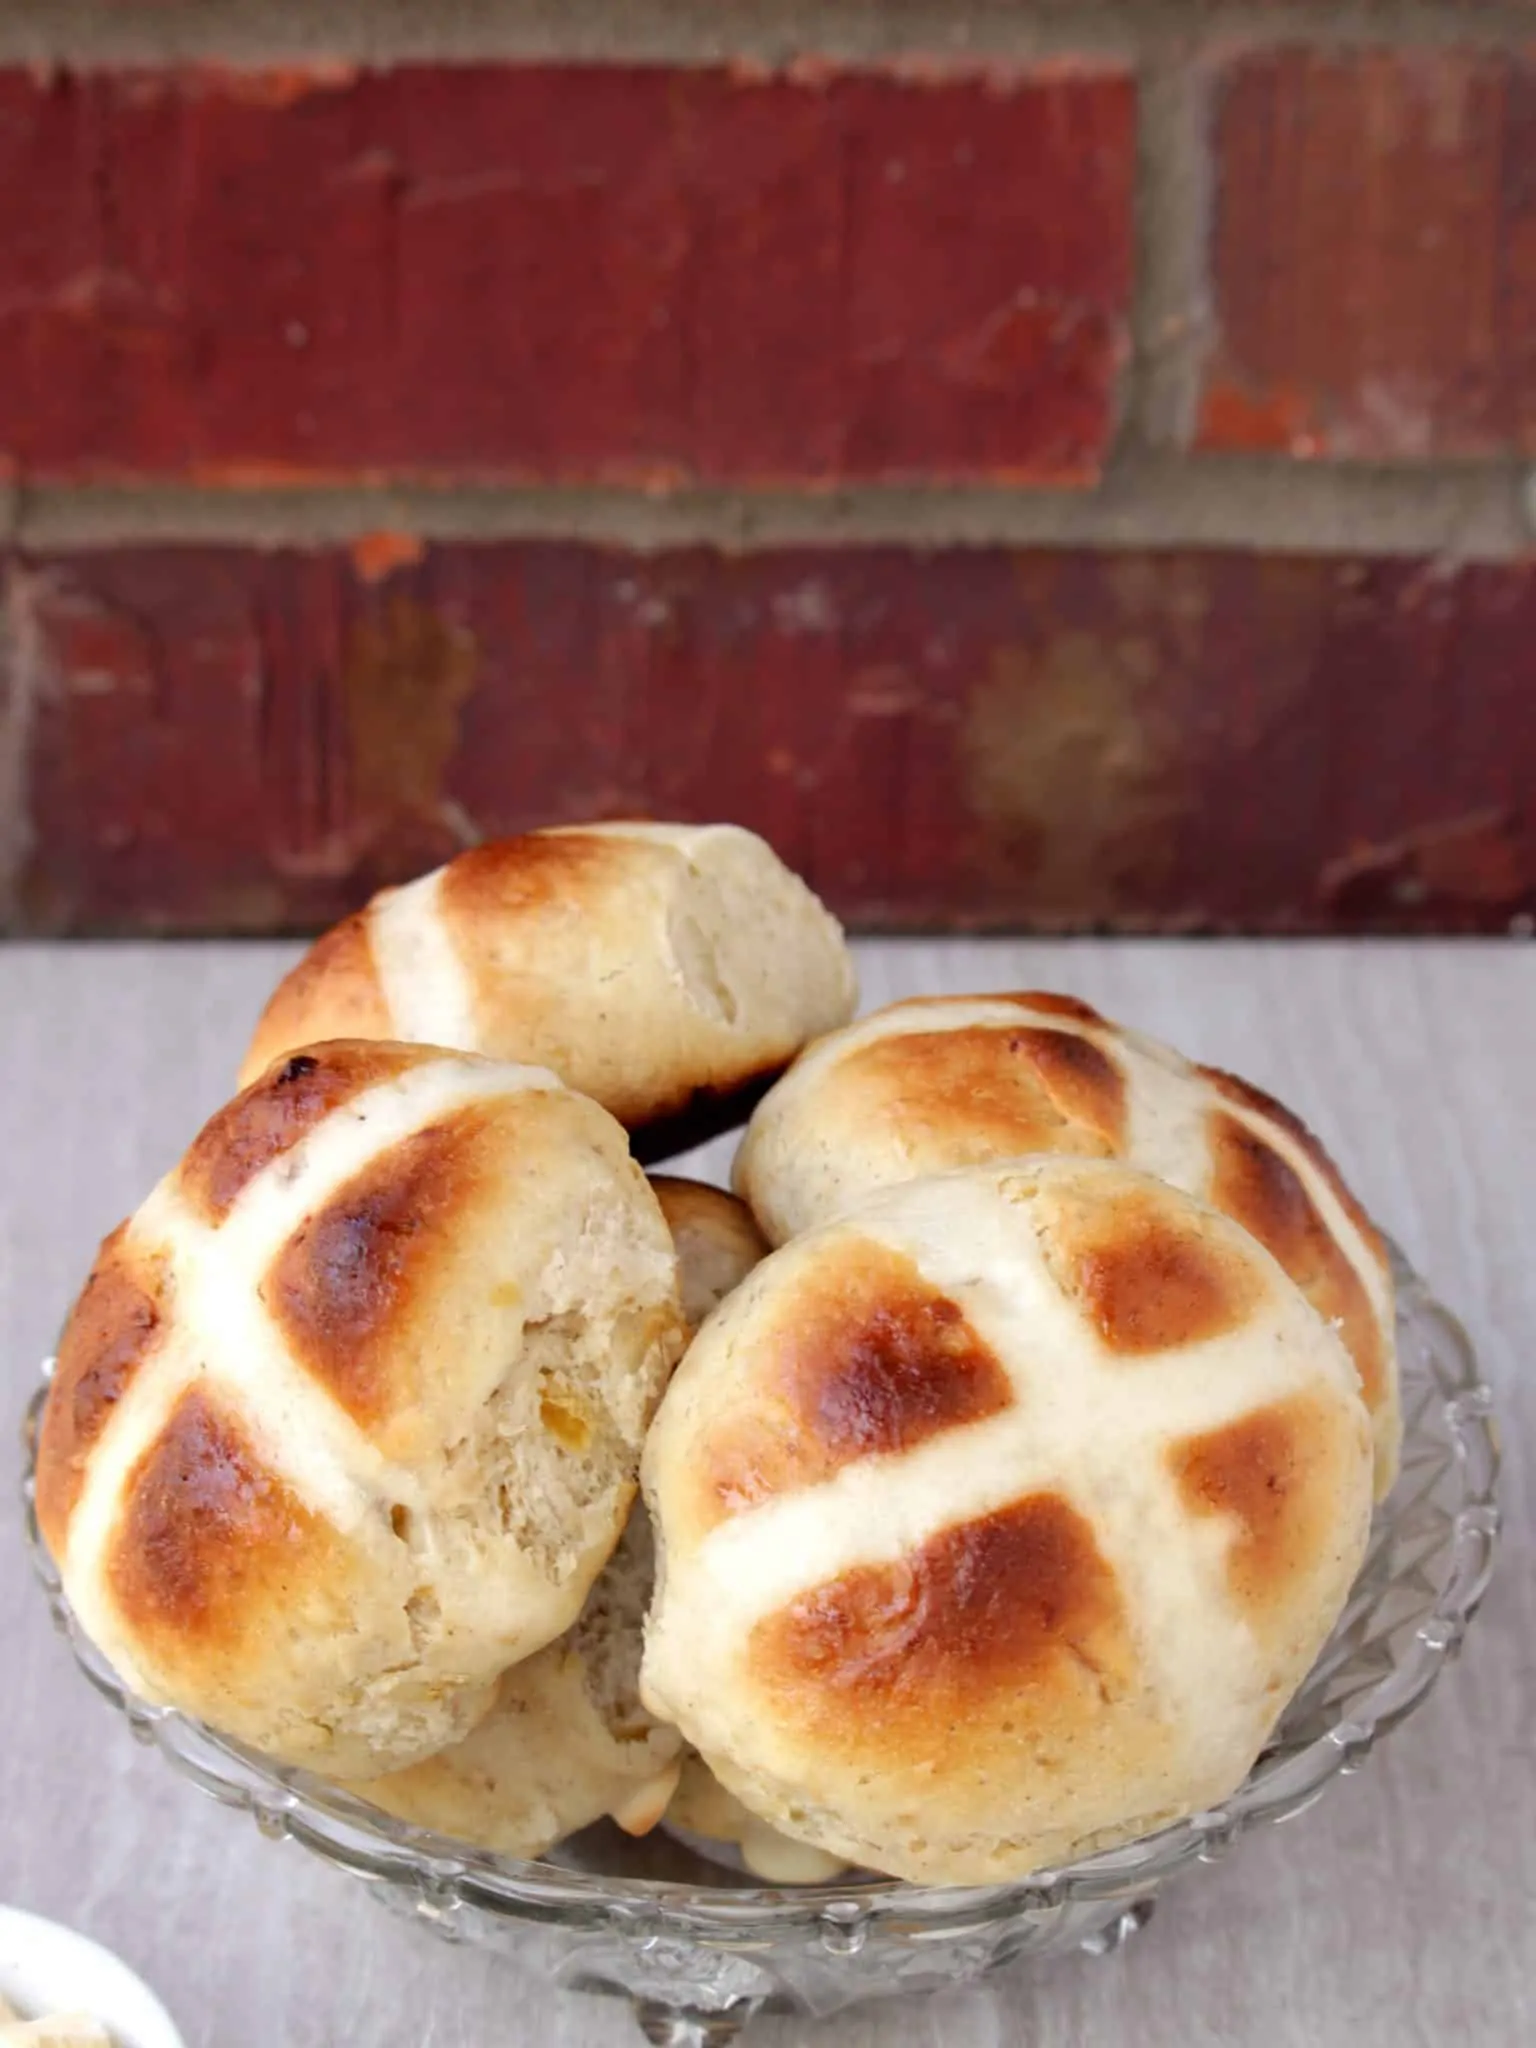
46	1968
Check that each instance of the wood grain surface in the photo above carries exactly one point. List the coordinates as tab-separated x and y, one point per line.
1399	1912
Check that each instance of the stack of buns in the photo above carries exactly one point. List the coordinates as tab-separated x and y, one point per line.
1008	1441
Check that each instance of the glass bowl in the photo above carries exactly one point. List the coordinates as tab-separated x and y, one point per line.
698	1948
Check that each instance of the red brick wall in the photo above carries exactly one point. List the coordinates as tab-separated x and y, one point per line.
1043	466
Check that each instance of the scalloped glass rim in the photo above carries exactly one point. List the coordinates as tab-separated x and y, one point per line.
1448	1410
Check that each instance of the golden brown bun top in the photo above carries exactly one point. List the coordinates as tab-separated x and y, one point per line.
932	1084
361	1384
664	970
1001	1513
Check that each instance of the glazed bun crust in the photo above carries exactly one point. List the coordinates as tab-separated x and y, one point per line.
1000	1518
349	1414
934	1084
668	971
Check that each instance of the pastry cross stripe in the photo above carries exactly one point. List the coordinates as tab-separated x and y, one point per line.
428	990
1114	1471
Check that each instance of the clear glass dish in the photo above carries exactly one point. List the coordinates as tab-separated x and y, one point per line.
698	1949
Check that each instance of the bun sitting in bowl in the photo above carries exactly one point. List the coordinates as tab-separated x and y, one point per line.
567	1739
717	1242
936	1083
704	1813
348	1417
998	1520
668	971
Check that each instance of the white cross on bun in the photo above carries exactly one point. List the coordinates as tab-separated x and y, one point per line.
348	1416
998	1520
935	1083
667	971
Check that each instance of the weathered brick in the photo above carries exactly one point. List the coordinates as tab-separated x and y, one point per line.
222	740
1375	255
563	272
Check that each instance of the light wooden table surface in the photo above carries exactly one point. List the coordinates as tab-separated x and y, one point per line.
1400	1912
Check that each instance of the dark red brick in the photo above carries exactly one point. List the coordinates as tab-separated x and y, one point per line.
246	741
1375	255
605	273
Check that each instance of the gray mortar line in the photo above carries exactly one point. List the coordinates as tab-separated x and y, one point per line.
691	32
1471	511
1171	312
